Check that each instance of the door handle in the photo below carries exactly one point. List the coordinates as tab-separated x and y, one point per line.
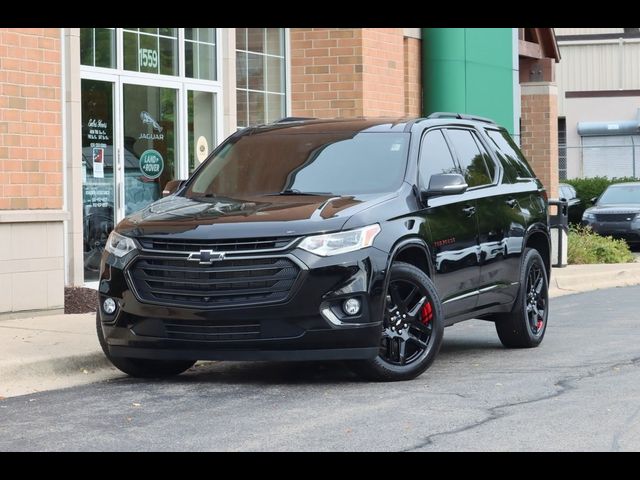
468	211
512	202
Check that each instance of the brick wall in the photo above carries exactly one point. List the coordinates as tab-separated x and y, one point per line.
346	72
539	135
412	77
30	119
383	72
326	72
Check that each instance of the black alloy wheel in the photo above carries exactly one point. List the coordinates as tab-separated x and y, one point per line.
412	327
407	327
536	299
526	324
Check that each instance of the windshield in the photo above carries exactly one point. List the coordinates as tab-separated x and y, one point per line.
343	163
620	194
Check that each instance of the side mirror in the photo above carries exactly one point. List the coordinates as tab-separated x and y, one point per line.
171	187
593	200
445	184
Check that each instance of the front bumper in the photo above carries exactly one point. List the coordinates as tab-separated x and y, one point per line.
620	230
293	329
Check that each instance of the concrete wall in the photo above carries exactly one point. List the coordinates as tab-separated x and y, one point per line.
31	261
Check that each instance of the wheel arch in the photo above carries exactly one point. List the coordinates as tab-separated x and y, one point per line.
414	251
538	239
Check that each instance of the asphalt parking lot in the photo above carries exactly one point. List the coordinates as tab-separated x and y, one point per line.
579	391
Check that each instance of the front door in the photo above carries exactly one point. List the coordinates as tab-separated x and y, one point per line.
129	151
453	226
149	143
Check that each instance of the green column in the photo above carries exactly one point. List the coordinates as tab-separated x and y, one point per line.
470	70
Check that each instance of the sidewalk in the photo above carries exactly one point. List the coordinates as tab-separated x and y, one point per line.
57	351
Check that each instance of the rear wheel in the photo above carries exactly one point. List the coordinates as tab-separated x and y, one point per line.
526	325
412	329
140	367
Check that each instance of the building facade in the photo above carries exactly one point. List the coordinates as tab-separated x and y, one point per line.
95	121
599	102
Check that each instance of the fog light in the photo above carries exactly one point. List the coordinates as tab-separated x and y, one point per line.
351	306
109	306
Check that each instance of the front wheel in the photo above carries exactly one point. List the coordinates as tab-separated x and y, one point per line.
141	367
412	330
525	325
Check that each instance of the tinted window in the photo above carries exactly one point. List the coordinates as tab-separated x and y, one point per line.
620	194
491	167
471	160
340	163
514	163
435	157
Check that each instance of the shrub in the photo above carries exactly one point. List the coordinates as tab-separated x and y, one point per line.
585	246
587	188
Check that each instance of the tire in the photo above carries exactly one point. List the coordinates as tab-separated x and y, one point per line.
140	367
425	320
526	324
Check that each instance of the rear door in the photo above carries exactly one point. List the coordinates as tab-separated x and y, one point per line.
453	229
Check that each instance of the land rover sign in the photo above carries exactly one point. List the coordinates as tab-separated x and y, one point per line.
151	164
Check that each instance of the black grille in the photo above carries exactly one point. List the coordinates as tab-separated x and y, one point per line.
615	217
223	283
210	331
231	245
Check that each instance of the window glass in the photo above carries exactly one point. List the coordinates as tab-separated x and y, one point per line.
200	53
260	75
435	157
342	163
151	50
491	167
98	47
471	161
514	163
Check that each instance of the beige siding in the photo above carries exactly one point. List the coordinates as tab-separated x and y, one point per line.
587	31
598	66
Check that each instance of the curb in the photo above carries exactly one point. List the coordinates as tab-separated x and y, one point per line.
584	278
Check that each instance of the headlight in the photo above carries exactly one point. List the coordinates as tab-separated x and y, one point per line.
341	242
589	217
119	245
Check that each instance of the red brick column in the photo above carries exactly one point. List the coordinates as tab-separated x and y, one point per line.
412	77
539	135
346	72
30	119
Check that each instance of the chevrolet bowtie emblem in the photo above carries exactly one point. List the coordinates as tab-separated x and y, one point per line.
206	257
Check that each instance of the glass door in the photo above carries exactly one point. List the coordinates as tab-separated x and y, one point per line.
98	180
150	121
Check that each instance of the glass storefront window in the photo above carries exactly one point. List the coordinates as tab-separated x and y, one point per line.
200	53
98	183
151	50
98	47
260	75
200	124
149	143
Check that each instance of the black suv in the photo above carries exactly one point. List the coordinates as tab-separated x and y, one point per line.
353	240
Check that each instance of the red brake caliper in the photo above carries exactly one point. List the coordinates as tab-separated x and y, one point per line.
426	313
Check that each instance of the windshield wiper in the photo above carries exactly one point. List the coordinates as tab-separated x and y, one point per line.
294	191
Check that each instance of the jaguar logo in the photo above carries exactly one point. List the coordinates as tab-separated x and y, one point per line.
206	257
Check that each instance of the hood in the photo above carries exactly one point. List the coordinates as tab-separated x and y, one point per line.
615	208
251	216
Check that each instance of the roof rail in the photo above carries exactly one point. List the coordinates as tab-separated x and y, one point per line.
294	119
460	117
